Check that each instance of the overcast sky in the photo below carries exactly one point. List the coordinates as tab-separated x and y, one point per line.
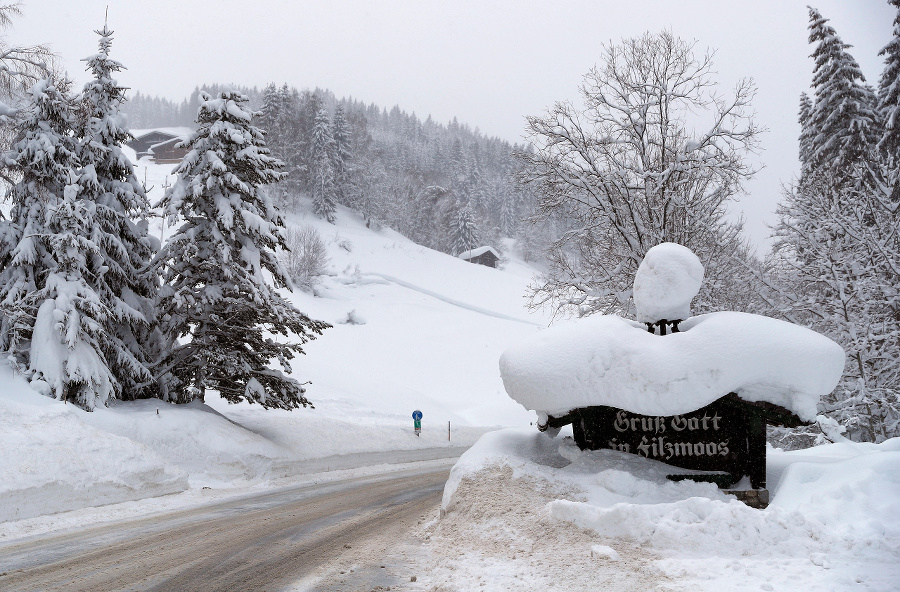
487	62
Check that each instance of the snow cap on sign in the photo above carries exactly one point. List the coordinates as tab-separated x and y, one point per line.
665	283
611	361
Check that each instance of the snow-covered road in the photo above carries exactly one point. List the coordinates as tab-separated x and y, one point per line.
311	537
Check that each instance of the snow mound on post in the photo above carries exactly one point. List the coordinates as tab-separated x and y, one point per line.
607	360
665	283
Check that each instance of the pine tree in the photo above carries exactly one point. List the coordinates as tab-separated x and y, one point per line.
215	297
44	159
341	155
842	118
270	111
889	92
118	271
463	231
805	141
837	249
72	349
323	189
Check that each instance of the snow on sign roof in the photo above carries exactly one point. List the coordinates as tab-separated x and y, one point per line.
611	361
476	252
608	360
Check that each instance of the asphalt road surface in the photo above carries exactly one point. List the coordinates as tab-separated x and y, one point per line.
342	535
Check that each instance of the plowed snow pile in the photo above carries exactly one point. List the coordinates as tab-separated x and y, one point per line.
525	512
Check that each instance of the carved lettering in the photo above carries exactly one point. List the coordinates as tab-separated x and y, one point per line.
644	447
692	440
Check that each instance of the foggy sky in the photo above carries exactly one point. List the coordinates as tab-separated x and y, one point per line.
488	63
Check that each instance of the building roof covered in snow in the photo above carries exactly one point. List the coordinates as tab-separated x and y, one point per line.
483	255
146	139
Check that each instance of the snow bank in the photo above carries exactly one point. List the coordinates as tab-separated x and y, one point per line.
607	360
55	461
833	524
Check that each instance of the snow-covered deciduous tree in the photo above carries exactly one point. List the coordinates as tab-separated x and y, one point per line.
654	155
838	259
44	160
306	259
216	305
118	272
21	66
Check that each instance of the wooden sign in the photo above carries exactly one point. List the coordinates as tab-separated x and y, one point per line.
727	437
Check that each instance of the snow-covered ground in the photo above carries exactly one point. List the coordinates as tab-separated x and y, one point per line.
522	511
428	331
525	512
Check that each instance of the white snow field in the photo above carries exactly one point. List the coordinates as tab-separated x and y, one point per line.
428	330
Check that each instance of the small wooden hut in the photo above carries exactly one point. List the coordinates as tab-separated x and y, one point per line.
482	256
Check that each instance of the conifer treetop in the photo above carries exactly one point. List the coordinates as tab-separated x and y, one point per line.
889	88
842	119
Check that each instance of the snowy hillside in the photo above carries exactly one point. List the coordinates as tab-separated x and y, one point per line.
429	329
427	333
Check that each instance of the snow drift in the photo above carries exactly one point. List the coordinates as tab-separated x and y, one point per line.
55	461
833	524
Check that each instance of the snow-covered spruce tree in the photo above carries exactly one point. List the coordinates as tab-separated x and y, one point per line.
654	156
118	272
341	155
805	141
72	345
463	231
837	249
44	160
841	121
216	305
888	112
889	93
323	186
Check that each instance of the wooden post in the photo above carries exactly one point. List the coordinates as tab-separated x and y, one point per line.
756	444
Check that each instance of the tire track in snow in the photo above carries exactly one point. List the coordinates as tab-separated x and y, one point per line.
451	301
